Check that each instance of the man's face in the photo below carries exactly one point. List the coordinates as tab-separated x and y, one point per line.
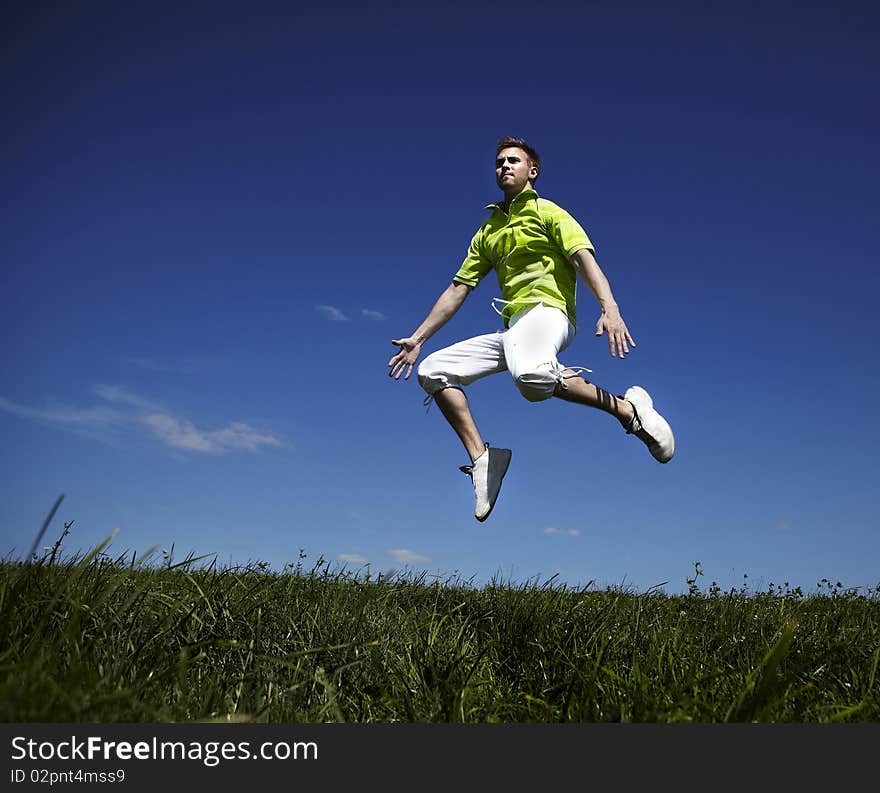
513	171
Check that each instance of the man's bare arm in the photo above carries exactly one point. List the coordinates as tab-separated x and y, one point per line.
610	321
411	347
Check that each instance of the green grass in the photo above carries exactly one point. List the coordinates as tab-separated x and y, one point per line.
95	638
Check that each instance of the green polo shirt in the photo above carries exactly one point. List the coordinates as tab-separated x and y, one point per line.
530	249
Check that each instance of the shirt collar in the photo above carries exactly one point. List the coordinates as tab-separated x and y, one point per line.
524	195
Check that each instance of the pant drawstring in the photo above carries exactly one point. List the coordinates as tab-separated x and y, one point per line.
576	371
503	303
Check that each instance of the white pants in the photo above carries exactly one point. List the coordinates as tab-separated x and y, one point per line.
527	349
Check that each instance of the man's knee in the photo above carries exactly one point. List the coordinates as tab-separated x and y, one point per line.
537	385
430	378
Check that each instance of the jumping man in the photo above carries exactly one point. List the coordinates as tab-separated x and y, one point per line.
537	251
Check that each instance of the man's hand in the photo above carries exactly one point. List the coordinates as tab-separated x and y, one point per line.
410	349
612	323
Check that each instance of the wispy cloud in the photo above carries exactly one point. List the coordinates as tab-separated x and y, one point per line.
562	532
371	314
122	396
404	556
131	411
332	313
352	558
180	433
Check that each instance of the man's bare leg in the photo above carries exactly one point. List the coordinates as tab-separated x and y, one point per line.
454	406
650	428
583	392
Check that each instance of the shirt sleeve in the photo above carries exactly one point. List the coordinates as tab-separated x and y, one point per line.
566	232
475	266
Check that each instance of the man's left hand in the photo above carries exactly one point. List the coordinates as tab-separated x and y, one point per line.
619	339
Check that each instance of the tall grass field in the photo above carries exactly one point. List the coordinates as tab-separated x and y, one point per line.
100	638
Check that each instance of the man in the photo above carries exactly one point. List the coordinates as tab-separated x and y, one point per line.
537	251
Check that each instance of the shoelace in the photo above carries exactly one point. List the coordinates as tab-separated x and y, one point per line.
635	426
469	469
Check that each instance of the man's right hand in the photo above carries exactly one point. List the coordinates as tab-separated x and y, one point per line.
410	349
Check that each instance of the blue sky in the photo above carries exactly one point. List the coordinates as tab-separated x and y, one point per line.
215	217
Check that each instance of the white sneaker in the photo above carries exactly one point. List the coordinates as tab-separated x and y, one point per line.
649	426
486	474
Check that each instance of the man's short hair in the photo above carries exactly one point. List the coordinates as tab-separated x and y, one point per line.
519	143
